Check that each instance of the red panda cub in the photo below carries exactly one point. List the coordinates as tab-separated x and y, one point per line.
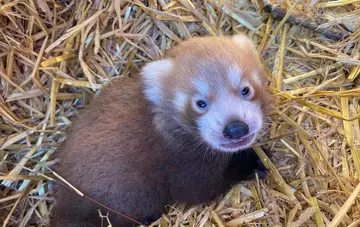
180	131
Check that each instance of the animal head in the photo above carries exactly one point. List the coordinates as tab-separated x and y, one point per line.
212	88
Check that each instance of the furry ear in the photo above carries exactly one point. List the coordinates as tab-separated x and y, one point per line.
153	74
243	41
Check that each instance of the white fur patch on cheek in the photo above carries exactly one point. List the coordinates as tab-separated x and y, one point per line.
153	74
234	75
207	126
180	100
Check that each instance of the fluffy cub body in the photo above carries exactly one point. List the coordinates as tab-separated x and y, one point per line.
175	133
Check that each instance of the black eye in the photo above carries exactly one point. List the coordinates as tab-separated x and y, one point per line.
245	91
201	104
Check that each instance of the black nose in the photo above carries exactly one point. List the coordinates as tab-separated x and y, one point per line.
235	130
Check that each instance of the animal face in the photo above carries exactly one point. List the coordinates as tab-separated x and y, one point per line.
213	88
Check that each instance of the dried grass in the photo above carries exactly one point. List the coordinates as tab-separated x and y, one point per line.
56	54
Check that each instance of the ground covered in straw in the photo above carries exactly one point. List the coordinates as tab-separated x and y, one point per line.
54	55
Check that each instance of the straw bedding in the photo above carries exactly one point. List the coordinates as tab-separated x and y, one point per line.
55	55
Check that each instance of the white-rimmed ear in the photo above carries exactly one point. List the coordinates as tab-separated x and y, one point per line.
153	74
243	41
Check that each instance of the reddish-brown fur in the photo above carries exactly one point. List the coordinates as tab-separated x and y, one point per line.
114	154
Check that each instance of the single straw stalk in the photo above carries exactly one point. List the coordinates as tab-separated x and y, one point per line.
348	131
345	208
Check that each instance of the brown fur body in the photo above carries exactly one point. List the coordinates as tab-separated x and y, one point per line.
115	155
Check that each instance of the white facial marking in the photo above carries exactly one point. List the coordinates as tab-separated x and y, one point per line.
152	74
257	78
243	41
180	100
234	76
202	87
227	108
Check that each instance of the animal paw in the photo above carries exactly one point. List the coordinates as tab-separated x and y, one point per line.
258	167
245	165
260	170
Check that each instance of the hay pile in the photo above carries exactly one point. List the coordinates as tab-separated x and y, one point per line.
56	54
